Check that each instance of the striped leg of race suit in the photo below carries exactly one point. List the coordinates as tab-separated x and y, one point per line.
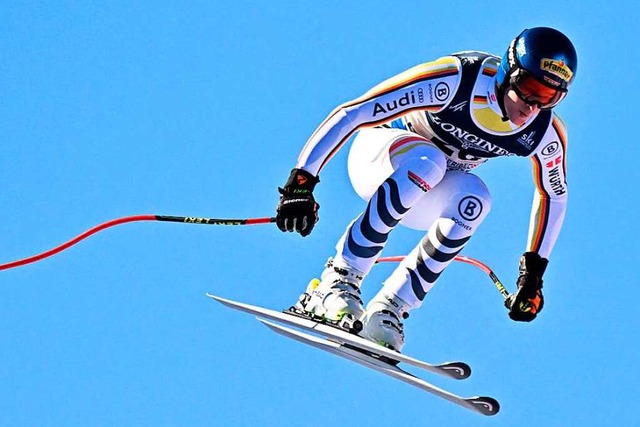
418	272
416	171
463	202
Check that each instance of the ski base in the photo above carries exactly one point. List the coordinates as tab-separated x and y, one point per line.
481	404
457	370
341	343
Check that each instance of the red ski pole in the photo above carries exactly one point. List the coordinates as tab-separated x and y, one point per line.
134	218
482	266
211	221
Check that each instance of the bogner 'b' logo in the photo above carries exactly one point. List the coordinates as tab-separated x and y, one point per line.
408	98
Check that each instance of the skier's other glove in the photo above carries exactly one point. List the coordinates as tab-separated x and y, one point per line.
528	301
297	209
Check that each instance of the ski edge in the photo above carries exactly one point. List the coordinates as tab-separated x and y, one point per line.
455	369
483	405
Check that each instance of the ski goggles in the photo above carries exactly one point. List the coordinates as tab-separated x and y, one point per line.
533	92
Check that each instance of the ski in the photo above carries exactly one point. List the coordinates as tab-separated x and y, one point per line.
481	404
456	370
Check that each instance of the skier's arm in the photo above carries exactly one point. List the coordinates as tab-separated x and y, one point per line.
550	198
547	216
412	90
395	97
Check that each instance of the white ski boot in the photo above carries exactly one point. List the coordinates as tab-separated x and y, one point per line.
382	321
335	297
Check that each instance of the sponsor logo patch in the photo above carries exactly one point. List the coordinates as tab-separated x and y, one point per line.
470	208
408	98
527	139
558	68
550	149
421	183
441	91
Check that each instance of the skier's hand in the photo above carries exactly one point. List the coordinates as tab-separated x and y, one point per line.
528	301
297	209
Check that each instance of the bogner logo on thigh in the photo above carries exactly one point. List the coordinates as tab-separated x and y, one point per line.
461	224
470	208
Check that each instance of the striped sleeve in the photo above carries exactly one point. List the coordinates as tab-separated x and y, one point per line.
550	198
409	91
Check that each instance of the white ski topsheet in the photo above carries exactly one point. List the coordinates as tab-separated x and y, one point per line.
456	370
481	404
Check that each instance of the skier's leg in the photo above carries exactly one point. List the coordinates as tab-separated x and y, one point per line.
416	166
463	201
393	169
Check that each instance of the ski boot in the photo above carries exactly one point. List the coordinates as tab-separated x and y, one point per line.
334	299
382	321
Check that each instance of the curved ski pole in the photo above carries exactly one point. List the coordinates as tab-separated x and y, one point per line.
482	266
124	220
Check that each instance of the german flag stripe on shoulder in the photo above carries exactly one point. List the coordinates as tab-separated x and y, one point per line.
443	67
561	130
542	217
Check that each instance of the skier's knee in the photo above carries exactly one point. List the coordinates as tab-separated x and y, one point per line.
471	203
429	168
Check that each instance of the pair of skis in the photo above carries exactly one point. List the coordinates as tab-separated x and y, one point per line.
359	350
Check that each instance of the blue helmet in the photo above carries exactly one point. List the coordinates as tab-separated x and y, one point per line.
541	53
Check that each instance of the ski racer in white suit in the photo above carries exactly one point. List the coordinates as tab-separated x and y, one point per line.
419	136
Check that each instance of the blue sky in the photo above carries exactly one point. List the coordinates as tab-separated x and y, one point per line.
201	109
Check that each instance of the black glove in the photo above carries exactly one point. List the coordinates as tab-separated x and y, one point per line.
528	301
297	209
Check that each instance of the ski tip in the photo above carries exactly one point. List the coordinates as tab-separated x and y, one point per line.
484	404
456	370
221	300
215	297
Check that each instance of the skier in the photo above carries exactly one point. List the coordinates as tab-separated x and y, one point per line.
419	136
